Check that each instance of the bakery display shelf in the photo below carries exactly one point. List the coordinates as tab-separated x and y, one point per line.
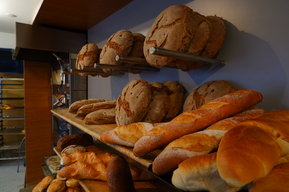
11	118
11	98
9	146
97	130
12	131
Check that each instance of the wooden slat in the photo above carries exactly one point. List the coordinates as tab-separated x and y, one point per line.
97	130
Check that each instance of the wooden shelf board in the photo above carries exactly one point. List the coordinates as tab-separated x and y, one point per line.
97	130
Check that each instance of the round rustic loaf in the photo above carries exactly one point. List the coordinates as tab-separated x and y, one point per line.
175	29
133	102
137	47
159	105
207	92
176	99
119	43
87	56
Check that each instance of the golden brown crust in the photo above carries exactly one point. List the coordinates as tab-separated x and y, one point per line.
56	186
253	151
189	122
207	92
276	180
43	184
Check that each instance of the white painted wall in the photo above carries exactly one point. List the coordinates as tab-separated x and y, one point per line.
255	50
7	40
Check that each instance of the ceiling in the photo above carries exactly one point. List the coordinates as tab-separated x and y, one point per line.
12	11
76	15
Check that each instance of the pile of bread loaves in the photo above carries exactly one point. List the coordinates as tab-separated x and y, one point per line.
222	142
82	161
177	28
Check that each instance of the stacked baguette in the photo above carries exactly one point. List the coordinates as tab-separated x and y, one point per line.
94	111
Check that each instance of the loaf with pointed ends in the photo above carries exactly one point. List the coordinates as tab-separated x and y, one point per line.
190	122
126	135
86	109
56	186
198	143
87	56
245	154
77	104
43	184
174	29
200	173
119	43
207	92
133	103
119	177
101	116
277	180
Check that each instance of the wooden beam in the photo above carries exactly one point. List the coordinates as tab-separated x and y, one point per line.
37	118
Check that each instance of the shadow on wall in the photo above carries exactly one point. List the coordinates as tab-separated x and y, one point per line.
251	63
135	13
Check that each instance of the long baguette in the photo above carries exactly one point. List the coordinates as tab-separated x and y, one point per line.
190	122
198	143
77	104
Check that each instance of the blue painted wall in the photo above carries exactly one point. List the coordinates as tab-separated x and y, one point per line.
255	50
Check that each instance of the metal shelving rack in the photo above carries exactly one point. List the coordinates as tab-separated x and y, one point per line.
11	150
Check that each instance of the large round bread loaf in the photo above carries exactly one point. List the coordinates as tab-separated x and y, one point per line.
174	29
87	56
119	43
137	47
207	92
133	103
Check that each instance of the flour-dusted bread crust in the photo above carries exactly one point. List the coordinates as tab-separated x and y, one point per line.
176	99
159	105
119	43
101	116
133	103
217	36
173	29
87	56
137	47
207	92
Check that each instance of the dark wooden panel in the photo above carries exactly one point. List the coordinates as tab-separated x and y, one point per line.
75	14
37	118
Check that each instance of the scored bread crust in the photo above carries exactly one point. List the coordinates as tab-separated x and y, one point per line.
133	103
207	92
87	55
120	43
137	46
173	29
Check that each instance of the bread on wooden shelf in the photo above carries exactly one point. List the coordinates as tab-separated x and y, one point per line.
86	109
207	92
189	122
83	139
200	173
101	116
87	56
198	143
43	184
77	104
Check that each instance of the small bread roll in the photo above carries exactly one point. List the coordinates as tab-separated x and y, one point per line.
72	183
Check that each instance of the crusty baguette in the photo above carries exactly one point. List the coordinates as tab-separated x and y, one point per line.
77	104
198	143
43	184
277	180
189	122
119	177
86	109
56	186
72	183
126	135
200	173
245	154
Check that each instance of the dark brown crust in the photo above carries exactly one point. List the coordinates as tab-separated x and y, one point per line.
77	139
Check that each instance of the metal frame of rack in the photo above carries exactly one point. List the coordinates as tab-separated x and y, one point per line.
10	151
